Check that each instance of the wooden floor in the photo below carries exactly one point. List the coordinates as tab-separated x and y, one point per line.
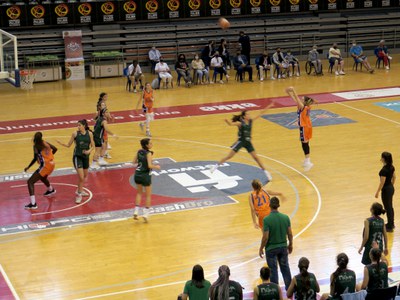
133	260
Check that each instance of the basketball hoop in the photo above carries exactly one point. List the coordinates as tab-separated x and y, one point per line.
26	79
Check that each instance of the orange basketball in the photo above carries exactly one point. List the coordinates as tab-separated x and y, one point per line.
224	23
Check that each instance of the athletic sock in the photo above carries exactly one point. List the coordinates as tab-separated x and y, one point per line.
33	200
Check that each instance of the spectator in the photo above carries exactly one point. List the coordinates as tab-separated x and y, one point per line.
276	227
244	42
135	75
218	66
280	63
382	53
342	280
163	72
293	62
208	53
313	57
267	289
224	288
198	287
200	68
356	51
374	232
304	285
223	51
154	56
183	69
375	274
241	64
264	63
387	177
335	58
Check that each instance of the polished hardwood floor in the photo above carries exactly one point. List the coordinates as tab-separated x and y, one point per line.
129	259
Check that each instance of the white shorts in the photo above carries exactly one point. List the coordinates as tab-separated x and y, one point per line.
150	117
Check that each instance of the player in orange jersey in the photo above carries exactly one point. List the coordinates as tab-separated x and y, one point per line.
147	100
259	203
305	124
43	155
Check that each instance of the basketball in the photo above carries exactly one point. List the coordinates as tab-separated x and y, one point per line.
224	23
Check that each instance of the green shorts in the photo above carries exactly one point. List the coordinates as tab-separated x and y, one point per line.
239	144
143	179
98	142
81	162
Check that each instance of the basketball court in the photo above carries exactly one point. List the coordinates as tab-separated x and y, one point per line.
95	250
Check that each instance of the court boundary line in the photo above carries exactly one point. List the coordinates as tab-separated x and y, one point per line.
8	282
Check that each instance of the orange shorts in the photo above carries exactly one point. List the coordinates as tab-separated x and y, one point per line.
261	218
305	134
47	169
105	136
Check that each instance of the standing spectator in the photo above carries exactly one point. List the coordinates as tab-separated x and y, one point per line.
280	63
163	72
244	42
292	62
207	53
136	74
356	51
224	288
198	287
313	57
382	53
201	71
223	51
303	285
342	280
242	65
267	289
374	232
264	63
154	56
386	186
276	227
218	66
336	59
183	69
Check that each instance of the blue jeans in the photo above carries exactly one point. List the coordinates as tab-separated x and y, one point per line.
279	255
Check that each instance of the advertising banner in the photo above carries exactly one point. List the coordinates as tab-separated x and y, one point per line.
275	6
255	7
38	14
195	8
296	5
62	13
152	10
313	5
107	12
216	8
85	13
73	44
174	9
236	7
13	15
129	10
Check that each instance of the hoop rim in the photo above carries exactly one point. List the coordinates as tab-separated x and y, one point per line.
27	72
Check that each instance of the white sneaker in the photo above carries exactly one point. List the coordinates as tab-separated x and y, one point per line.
221	81
297	74
387	68
261	79
227	77
336	73
146	214
213	168
283	76
94	165
136	213
228	67
102	162
268	174
141	125
389	57
308	166
272	78
279	76
107	155
83	194
78	198
342	73
148	133
109	146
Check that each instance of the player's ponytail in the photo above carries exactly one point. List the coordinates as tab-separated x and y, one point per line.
85	124
377	209
305	276
256	184
38	141
238	118
341	260
308	100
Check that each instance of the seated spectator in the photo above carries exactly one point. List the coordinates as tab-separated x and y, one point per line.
304	285
280	63
242	65
223	51
135	75
208	53
198	287
264	63
163	72
342	280
375	274
154	56
201	71
218	65
335	58
267	289
356	51
183	68
224	288
313	57
293	62
382	53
